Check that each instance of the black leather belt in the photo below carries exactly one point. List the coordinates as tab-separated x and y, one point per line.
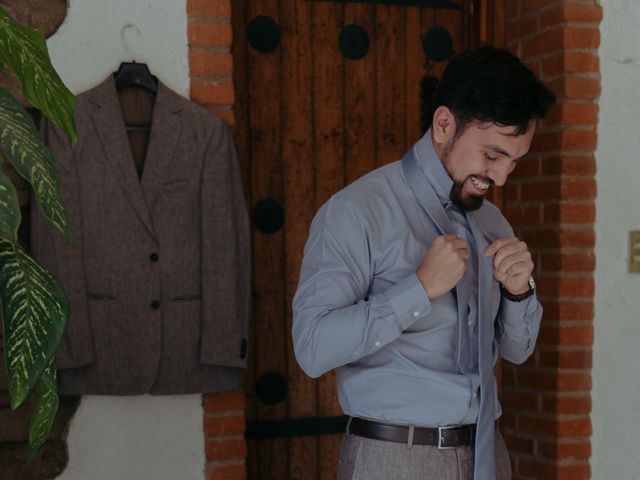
441	437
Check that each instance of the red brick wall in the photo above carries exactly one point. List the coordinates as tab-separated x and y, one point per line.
224	425
210	60
551	202
211	69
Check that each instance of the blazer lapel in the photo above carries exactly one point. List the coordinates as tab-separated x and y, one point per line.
165	133
110	129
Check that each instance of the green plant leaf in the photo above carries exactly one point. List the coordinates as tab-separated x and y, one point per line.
45	409
9	209
32	160
25	50
35	311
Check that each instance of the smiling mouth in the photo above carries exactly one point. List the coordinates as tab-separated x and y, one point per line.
479	184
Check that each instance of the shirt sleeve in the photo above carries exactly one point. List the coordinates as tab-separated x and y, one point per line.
335	322
517	328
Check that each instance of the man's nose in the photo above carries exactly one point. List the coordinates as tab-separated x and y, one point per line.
499	173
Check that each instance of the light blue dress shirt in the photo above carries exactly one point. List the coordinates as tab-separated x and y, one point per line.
361	309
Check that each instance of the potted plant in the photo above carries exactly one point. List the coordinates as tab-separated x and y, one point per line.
34	306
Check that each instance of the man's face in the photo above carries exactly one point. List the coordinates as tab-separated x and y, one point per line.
483	155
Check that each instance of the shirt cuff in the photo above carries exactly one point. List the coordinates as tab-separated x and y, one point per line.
521	309
408	300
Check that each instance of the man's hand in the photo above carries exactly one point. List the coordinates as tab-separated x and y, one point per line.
512	264
443	265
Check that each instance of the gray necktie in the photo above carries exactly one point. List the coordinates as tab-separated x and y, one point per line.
464	286
485	459
485	464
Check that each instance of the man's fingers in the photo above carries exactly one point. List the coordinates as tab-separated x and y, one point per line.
460	244
520	268
516	250
515	266
505	263
443	264
498	244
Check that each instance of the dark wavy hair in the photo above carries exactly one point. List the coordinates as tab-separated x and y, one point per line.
490	84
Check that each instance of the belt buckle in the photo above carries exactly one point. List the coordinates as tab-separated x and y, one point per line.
441	438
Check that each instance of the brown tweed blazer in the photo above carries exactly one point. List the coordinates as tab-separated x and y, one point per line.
158	271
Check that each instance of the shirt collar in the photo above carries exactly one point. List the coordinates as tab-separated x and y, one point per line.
432	167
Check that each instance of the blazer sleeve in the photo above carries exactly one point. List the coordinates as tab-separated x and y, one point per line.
226	261
65	261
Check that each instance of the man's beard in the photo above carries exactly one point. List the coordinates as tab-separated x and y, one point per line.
468	203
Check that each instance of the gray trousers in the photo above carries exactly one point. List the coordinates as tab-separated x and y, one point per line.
366	459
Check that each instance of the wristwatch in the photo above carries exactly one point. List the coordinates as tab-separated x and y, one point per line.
521	296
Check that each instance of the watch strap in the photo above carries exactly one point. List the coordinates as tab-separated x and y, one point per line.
516	297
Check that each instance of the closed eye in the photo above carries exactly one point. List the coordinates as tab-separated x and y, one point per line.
489	157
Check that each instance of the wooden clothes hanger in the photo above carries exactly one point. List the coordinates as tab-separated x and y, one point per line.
133	74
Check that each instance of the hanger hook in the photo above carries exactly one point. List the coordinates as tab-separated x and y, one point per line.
129	35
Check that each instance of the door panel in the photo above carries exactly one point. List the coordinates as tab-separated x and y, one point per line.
298	180
310	121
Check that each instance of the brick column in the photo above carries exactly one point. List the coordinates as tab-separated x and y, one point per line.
225	446
211	69
210	60
550	201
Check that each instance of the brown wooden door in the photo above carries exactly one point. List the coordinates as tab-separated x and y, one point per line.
310	121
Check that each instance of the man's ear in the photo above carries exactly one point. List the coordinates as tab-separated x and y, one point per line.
443	127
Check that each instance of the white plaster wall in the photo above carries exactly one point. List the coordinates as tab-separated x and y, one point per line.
136	437
616	368
97	35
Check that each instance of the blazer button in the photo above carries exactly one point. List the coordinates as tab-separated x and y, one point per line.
155	304
154	257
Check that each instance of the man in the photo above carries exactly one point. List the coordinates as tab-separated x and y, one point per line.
412	285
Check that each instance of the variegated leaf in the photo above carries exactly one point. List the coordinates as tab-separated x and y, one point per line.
35	311
25	50
9	208
32	160
45	409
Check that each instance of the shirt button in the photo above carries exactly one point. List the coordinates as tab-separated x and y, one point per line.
416	314
154	257
155	304
377	344
470	323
